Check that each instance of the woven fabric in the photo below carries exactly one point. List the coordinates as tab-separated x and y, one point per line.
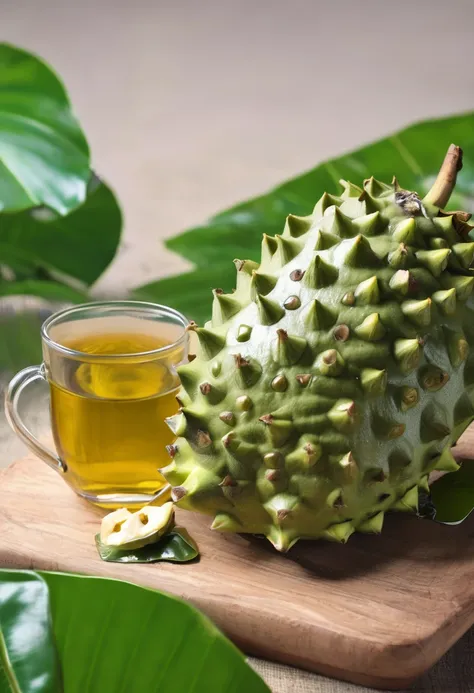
454	673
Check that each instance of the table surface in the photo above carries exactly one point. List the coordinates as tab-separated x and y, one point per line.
407	595
211	117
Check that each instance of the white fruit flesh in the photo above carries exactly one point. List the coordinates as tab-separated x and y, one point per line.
126	530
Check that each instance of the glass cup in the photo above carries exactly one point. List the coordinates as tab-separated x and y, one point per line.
111	370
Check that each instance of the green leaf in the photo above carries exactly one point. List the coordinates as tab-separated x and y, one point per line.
49	290
177	546
113	636
186	292
453	495
20	343
28	659
414	155
80	245
44	156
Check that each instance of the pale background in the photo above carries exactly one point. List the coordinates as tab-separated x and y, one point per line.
193	105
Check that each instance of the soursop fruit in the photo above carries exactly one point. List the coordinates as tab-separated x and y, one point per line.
337	376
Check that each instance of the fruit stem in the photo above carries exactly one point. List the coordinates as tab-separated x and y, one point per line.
446	179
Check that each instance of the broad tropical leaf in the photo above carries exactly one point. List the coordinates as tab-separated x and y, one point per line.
44	156
111	636
49	290
453	495
413	155
80	245
28	659
20	343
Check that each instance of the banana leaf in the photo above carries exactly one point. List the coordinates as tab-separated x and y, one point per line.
70	634
413	155
44	156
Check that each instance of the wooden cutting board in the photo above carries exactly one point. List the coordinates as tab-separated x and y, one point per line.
378	611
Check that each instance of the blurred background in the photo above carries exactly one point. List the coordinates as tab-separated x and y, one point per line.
191	106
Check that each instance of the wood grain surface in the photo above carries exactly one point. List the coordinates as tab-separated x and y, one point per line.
379	611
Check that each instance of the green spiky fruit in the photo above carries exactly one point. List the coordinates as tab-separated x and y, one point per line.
337	376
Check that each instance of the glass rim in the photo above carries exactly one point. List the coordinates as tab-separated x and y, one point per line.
144	305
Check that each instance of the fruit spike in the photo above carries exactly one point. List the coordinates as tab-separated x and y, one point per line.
400	257
342	225
370	206
462	285
408	502
261	284
403	282
372	525
446	301
297	226
318	316
248	371
288	349
338	375
213	394
371	329
368	225
223	307
348	466
325	240
210	342
406	232
278	431
464	253
434	260
269	246
376	188
286	250
319	273
445	462
243	333
458	347
330	363
269	311
373	381
407	353
244	273
324	203
343	415
367	292
339	532
360	254
418	312
350	190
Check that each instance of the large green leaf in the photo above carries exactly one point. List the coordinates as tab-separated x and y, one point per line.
20	323
189	293
80	245
49	290
28	659
414	155
44	156
20	342
453	495
113	636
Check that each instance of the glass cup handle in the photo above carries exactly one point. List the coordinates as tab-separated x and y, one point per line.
12	397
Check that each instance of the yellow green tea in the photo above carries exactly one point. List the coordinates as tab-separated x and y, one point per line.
108	422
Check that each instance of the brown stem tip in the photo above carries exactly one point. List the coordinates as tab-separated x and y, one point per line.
446	179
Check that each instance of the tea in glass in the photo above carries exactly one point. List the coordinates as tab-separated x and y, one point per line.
112	375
